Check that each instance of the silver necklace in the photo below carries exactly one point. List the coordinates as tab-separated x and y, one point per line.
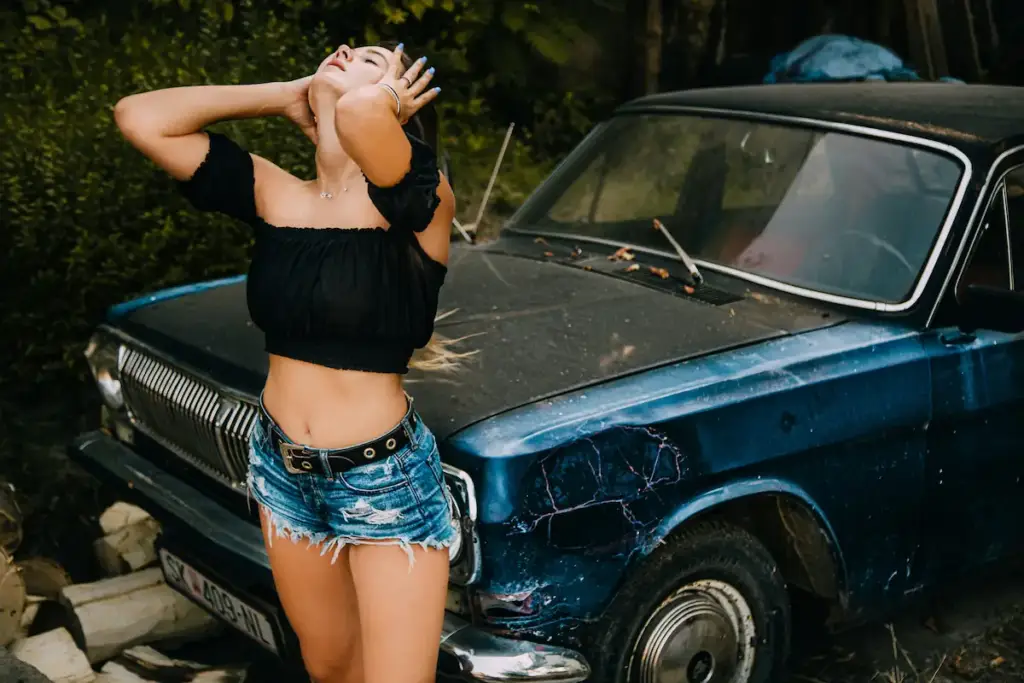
330	195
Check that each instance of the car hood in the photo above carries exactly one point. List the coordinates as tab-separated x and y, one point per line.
537	328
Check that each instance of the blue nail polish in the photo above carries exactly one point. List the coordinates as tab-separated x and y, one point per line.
430	70
423	60
400	46
438	89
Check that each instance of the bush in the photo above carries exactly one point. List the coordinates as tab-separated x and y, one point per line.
88	222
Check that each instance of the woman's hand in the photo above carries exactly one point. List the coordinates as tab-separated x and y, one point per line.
410	86
297	110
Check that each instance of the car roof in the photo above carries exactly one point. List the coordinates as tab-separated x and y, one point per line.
962	115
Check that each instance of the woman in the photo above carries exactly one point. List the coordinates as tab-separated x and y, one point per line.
343	282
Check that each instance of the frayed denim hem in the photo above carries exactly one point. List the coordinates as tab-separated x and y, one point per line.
280	527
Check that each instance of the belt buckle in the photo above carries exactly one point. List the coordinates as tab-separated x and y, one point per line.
288	450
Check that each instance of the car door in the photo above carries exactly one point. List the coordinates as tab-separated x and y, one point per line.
975	486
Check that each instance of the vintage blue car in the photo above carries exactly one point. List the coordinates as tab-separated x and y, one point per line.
743	344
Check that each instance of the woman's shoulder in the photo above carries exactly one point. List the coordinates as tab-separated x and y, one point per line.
275	188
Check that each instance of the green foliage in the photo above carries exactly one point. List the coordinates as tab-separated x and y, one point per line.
88	222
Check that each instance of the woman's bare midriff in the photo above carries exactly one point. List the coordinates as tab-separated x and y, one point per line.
324	408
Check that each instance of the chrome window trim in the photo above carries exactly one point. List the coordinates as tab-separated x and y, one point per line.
980	205
1006	229
471	538
867	304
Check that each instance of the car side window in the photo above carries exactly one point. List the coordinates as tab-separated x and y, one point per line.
998	256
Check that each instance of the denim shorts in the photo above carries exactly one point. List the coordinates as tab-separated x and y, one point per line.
401	500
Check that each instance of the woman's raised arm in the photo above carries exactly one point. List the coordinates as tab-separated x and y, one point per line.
369	119
166	125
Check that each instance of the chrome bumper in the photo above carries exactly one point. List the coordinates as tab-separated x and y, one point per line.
480	655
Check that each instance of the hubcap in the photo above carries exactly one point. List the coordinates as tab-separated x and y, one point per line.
702	633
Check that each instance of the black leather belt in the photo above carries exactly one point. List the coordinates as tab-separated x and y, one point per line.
300	459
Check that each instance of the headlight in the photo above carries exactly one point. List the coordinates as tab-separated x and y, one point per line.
464	553
103	354
455	549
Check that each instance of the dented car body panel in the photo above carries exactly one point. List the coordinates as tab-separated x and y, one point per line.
614	400
627	462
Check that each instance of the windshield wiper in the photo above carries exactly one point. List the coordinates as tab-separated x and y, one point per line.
683	256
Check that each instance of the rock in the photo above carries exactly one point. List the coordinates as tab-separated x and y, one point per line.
13	670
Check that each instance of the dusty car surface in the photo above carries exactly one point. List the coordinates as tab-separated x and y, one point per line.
742	343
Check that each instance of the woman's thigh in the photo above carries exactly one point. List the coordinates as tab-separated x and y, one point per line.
395	519
311	571
401	611
318	595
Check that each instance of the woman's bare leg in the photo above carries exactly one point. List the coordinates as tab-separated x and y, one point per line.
319	600
400	611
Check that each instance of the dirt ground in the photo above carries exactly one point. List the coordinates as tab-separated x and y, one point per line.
970	632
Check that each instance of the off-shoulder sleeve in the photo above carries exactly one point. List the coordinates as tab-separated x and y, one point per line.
410	204
224	182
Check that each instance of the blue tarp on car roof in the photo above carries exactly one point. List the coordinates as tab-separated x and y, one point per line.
839	58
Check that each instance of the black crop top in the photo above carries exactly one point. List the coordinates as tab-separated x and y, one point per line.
357	299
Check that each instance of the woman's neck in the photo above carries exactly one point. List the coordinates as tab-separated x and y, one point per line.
335	169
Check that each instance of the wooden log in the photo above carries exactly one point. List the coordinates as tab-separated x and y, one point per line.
116	673
32	605
135	609
12	599
43	577
10	519
144	665
128	549
120	515
56	656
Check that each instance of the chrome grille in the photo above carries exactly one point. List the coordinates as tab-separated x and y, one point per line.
187	415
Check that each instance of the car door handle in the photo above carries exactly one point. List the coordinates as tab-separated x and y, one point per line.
957	338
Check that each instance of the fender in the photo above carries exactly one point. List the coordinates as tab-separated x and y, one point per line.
746	489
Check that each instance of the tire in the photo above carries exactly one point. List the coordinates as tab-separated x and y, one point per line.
686	611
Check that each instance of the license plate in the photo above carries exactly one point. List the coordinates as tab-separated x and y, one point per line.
185	578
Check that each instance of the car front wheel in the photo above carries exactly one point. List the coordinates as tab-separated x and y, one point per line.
709	606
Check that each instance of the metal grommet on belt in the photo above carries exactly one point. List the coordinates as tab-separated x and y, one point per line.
391	444
369	453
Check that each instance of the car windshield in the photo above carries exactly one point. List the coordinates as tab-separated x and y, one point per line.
836	213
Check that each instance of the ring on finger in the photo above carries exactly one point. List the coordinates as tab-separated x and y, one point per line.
408	83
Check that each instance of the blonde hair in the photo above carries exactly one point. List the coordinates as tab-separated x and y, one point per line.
437	355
